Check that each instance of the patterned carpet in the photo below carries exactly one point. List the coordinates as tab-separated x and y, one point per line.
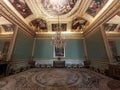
58	79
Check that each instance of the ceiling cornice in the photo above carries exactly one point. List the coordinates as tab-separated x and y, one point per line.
114	35
5	36
67	36
107	15
7	13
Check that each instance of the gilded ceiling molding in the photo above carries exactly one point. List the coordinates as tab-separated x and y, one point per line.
114	35
117	28
6	36
6	12
84	4
67	36
107	15
92	32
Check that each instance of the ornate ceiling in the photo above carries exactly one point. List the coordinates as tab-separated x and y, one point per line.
74	16
6	26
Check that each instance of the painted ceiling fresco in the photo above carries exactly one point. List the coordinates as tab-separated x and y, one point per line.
63	27
110	27
39	24
7	28
21	7
96	6
75	15
58	6
78	24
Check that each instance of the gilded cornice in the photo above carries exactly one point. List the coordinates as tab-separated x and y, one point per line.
6	36
67	36
114	35
111	11
6	12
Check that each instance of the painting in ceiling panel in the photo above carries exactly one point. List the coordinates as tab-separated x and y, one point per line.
110	27
58	6
78	24
118	14
61	27
8	27
119	29
96	6
39	24
22	7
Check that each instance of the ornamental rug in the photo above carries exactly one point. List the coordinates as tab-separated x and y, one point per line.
58	79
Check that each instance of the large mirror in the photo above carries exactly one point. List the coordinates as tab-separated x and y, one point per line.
6	34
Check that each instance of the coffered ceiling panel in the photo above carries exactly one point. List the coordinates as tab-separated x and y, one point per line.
96	6
6	27
72	15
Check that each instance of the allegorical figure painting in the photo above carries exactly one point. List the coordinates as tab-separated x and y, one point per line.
110	26
21	7
60	27
78	24
96	6
8	27
39	24
58	6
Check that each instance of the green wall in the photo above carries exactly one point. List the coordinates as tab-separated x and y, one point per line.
117	41
74	48
23	46
95	46
1	44
43	49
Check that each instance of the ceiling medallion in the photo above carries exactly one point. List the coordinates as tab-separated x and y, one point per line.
61	6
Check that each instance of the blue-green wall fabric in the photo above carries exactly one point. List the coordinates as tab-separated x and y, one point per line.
74	48
117	41
95	46
23	46
1	44
44	49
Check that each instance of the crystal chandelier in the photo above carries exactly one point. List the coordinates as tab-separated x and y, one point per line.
58	40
